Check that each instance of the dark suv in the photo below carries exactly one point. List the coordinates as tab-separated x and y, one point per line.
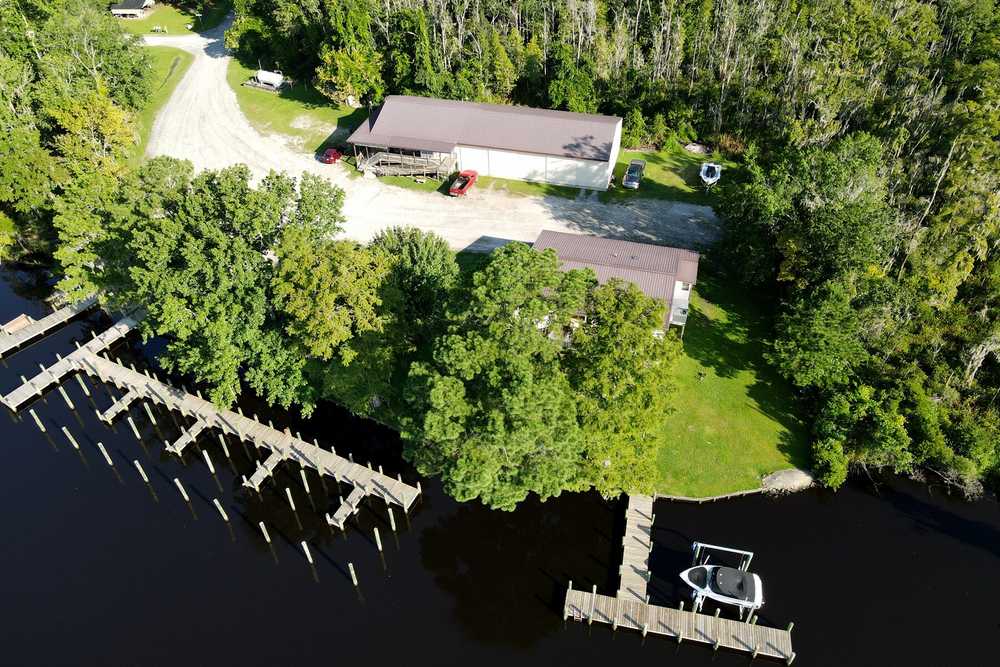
633	175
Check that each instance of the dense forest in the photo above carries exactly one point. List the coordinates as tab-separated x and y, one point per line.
869	130
868	212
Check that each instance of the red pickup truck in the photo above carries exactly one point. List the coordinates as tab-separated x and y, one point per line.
330	156
463	183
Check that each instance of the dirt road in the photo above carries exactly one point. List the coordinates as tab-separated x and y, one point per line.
202	122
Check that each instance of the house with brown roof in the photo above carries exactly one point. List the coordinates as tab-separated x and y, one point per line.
515	142
664	273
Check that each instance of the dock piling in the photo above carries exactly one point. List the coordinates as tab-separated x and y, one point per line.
354	576
142	473
107	458
305	482
593	602
378	539
392	519
83	385
69	436
180	487
38	422
288	493
149	412
135	429
208	461
218	506
305	548
263	529
62	392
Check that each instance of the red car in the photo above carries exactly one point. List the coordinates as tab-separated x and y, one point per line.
463	183
330	156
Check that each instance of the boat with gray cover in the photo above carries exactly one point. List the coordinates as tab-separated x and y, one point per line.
726	585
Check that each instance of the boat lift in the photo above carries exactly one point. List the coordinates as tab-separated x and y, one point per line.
701	555
701	552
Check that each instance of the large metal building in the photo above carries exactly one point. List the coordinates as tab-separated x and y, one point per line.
558	147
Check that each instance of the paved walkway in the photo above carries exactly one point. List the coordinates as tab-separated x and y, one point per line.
202	122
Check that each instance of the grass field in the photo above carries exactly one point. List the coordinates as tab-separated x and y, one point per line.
735	417
176	20
671	173
300	113
169	65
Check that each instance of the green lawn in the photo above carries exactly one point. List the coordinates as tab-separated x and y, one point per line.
176	20
735	418
310	120
671	173
169	65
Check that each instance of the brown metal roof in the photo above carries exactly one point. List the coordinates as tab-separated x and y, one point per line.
426	123
652	268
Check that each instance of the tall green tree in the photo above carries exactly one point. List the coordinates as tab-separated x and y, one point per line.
495	415
623	379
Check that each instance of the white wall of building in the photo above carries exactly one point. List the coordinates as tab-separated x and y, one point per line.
680	303
616	146
590	174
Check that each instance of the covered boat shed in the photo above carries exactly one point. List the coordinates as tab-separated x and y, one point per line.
521	143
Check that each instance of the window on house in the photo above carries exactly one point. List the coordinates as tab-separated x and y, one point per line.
685	287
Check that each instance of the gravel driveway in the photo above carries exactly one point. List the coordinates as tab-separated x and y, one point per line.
202	122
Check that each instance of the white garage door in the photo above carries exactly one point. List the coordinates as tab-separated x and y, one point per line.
473	158
519	166
528	167
580	173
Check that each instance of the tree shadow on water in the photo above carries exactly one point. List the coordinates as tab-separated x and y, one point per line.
508	571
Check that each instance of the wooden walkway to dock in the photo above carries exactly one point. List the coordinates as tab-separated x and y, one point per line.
757	640
55	373
284	446
636	545
41	327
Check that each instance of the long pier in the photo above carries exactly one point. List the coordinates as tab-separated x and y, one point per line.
636	545
41	327
284	446
757	640
630	607
54	374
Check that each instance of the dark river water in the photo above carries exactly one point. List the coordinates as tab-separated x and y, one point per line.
99	568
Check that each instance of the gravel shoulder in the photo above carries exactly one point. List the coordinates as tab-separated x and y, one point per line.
202	122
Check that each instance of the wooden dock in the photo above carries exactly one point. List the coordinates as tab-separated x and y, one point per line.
757	640
55	373
630	607
636	545
41	327
283	446
347	508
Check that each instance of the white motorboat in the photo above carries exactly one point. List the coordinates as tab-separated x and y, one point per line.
710	173
726	585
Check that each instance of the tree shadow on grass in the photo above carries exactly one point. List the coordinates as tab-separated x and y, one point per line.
727	342
733	341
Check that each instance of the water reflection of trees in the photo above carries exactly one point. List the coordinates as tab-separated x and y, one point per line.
508	571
